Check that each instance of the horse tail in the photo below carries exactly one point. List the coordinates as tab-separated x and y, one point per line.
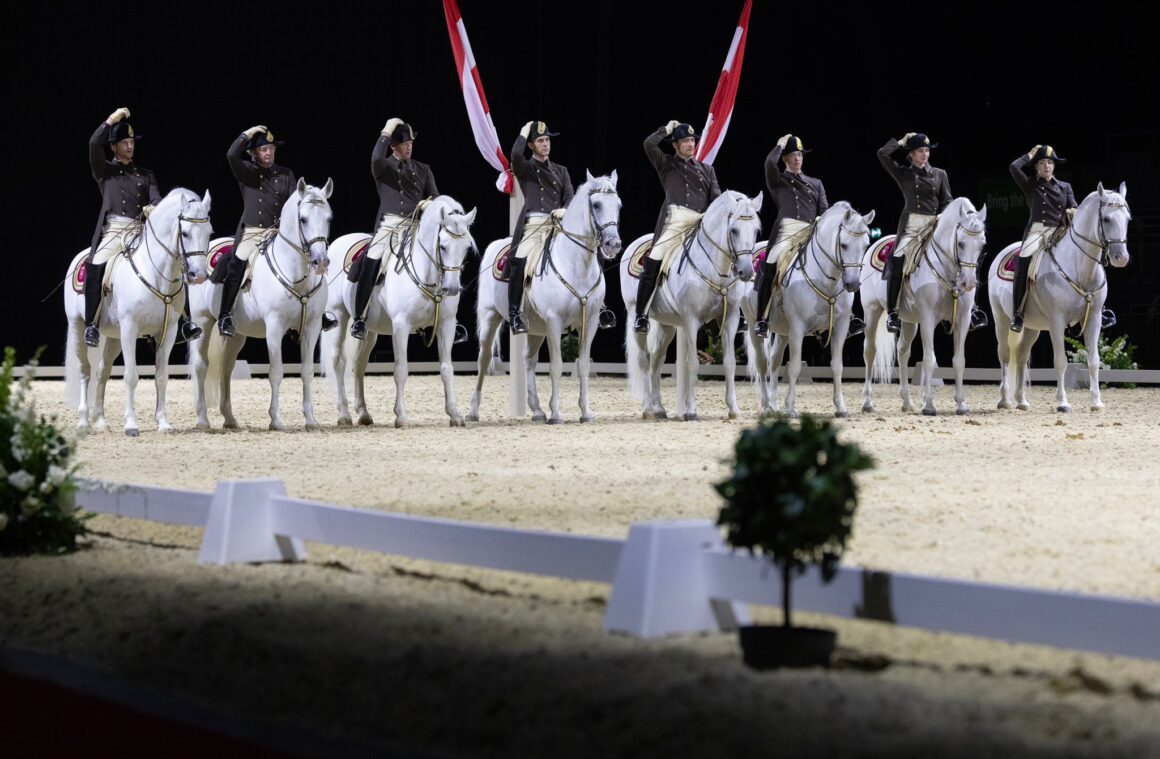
882	372
213	370
72	365
633	361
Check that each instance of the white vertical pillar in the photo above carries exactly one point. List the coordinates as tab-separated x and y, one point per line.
517	344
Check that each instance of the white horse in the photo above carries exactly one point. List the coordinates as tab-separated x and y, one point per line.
567	293
287	292
146	299
1070	287
421	288
933	293
817	295
705	283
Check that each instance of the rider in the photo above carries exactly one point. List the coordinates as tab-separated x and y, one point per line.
800	201
690	186
547	190
1052	205
265	188
128	194
405	188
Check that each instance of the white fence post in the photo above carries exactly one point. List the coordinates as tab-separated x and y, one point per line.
240	527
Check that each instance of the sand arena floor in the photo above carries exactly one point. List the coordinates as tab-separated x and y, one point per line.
396	654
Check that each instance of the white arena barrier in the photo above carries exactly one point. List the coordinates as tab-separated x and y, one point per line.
667	578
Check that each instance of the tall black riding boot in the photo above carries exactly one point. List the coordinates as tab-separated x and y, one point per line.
764	294
188	330
230	287
893	289
644	293
1020	293
94	273
516	268
367	276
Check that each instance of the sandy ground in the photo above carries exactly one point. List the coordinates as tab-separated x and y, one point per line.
410	656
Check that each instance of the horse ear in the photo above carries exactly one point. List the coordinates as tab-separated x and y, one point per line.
301	186
983	213
471	217
849	214
328	187
757	201
589	175
1124	190
613	178
869	217
206	200
1100	188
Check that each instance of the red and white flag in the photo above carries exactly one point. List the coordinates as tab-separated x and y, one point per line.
477	110
721	109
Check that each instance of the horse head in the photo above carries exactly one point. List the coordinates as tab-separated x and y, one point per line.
1104	216
737	216
963	232
445	222
181	224
603	201
306	218
848	232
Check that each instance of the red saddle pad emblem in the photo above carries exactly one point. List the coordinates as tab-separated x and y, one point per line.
216	255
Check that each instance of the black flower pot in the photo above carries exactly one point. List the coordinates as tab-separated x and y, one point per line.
770	647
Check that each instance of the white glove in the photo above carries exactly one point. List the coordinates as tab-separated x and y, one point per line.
147	210
254	130
1070	213
669	127
783	141
391	126
1031	153
422	205
527	130
905	137
558	214
117	115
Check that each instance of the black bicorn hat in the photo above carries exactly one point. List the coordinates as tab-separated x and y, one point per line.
403	133
918	140
262	138
1046	151
683	130
122	130
794	145
540	129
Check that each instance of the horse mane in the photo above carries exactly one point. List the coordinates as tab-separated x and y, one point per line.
597	183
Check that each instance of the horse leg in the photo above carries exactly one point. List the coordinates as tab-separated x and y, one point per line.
653	408
869	352
1091	341
80	353
400	333
108	355
486	340
759	356
928	366
446	329
161	378
837	340
129	357
556	369
1006	349
362	357
776	359
531	361
308	342
230	350
199	366
691	361
793	369
584	364
336	344
960	364
1058	326
274	347
1020	357
905	343
729	360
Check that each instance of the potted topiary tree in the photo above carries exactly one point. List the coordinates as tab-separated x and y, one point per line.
791	497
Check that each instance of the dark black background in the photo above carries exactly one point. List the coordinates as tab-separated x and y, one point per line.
985	81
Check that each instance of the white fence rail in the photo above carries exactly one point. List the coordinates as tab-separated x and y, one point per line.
666	577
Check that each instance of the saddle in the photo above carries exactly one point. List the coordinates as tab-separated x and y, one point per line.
1007	265
880	252
500	269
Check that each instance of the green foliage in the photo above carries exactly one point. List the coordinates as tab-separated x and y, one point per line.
570	347
792	494
37	484
1114	355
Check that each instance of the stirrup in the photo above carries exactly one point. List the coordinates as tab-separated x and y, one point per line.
1017	322
857	327
188	331
1107	318
518	325
461	335
92	336
607	318
226	325
978	319
328	321
761	328
358	329
641	324
893	323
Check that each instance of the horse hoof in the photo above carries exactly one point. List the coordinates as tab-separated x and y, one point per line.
734	414
132	431
1004	404
541	417
365	420
472	417
586	418
1063	409
1023	406
1097	409
929	412
276	427
100	425
400	423
202	425
345	421
458	422
867	408
230	424
313	427
690	417
555	420
166	429
662	414
963	411
841	414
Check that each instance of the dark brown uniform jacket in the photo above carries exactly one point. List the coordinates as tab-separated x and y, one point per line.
125	188
546	186
1047	200
687	183
401	184
796	195
926	190
264	191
